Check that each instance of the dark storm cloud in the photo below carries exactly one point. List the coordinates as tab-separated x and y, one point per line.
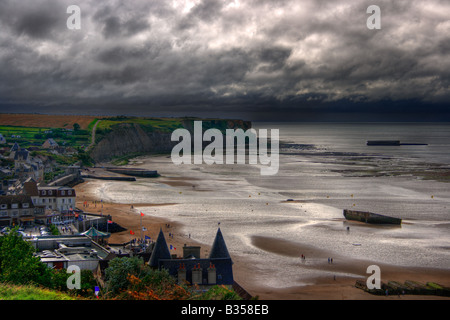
32	18
291	57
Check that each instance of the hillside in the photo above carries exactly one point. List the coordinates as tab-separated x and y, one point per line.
103	138
116	138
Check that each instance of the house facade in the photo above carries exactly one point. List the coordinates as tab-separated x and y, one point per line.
16	210
56	198
53	198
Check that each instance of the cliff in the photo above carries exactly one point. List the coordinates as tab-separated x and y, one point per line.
131	138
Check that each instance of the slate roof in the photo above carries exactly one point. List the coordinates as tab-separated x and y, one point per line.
219	248
9	200
160	250
15	147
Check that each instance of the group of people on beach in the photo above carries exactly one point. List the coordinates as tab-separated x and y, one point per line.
139	242
303	257
66	229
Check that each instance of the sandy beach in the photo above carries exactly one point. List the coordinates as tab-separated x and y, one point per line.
318	288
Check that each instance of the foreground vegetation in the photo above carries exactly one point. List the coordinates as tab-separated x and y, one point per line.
30	292
24	277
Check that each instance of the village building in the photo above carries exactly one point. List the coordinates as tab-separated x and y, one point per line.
12	151
2	139
16	210
25	166
50	144
54	198
57	198
60	252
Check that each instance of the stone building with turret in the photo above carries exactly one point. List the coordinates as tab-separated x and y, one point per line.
214	270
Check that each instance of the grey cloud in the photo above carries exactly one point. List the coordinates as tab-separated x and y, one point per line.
33	19
263	53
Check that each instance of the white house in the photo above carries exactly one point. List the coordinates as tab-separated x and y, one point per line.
57	198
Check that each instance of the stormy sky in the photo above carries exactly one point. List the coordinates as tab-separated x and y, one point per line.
301	60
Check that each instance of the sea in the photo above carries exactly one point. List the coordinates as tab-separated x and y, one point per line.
324	168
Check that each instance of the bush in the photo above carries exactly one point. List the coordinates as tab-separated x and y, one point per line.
131	279
54	230
220	292
88	282
118	271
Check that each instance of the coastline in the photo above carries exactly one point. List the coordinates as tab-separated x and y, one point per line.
322	287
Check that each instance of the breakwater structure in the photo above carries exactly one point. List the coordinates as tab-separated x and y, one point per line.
136	172
392	143
119	174
408	287
90	176
369	217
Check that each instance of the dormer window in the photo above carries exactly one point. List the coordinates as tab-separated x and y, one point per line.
4	206
63	193
15	206
25	205
50	192
43	192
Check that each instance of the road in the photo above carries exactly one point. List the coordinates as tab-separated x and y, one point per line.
94	129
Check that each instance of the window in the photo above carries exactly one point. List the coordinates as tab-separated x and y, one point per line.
25	205
4	206
63	193
50	192
43	192
15	206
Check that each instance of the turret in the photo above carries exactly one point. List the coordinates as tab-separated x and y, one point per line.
160	251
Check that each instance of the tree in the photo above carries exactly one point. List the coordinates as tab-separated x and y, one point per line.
17	263
76	127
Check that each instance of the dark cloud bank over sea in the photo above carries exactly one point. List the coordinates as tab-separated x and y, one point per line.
258	60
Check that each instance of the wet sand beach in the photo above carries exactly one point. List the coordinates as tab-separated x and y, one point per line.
269	222
330	281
